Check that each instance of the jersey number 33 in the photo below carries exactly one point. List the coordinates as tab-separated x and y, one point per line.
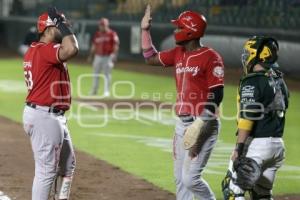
28	79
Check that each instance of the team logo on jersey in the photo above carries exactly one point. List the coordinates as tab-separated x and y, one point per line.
248	91
218	72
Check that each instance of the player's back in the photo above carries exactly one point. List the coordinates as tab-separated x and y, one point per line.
46	76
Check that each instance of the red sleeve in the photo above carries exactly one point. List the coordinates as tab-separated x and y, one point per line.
215	71
50	53
166	58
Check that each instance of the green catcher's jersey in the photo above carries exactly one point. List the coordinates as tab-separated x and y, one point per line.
263	98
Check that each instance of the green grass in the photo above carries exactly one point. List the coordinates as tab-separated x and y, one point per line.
143	148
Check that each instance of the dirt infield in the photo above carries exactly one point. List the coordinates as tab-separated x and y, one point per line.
94	179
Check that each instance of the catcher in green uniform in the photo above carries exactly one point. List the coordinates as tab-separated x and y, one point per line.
263	101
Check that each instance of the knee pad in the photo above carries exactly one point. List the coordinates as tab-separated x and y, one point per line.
230	190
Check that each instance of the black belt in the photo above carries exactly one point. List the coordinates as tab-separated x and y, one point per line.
269	136
187	118
51	109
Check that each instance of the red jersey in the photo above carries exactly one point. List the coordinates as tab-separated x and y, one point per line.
46	77
196	73
105	42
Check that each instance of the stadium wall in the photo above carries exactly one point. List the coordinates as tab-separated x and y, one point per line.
228	42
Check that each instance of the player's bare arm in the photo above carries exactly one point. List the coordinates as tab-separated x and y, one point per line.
69	46
149	51
117	44
240	143
92	53
115	48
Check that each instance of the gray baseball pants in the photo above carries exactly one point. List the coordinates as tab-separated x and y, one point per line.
269	153
188	172
52	148
102	64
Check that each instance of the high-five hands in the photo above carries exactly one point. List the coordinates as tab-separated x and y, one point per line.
146	21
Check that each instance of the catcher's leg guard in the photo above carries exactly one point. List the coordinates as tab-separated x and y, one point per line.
255	196
230	190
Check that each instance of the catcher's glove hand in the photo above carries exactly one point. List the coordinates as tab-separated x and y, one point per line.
248	172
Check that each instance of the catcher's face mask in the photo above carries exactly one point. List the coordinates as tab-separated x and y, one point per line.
248	55
244	58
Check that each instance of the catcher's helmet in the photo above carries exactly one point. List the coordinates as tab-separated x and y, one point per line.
192	26
259	50
43	22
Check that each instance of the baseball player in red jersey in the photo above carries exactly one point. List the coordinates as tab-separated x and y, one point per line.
48	83
199	74
105	46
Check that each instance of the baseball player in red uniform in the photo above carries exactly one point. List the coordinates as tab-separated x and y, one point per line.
48	83
199	74
105	46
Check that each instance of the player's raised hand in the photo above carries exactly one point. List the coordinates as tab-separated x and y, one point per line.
55	16
146	21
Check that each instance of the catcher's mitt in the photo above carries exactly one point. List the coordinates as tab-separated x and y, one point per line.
248	172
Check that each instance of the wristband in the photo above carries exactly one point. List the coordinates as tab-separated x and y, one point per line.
239	148
150	52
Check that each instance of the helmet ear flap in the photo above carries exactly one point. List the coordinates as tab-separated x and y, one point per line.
272	45
260	46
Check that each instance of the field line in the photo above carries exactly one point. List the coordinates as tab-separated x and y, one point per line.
217	163
4	196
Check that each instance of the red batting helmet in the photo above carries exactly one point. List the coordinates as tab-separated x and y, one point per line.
43	22
192	26
103	22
